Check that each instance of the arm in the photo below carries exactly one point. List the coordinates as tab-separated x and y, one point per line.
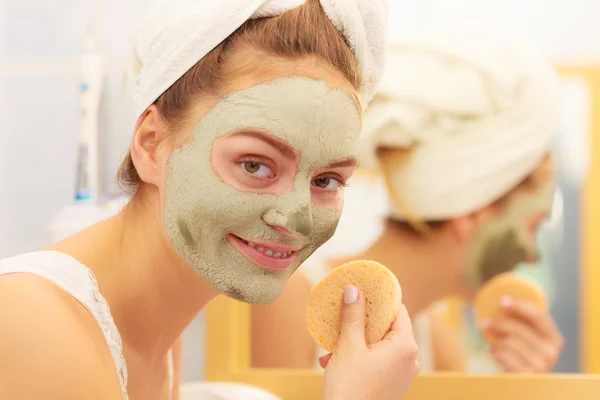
176	369
448	354
280	337
51	348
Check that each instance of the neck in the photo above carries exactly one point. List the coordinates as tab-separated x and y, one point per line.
152	294
423	266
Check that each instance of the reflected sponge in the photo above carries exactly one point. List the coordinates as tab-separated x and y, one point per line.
486	303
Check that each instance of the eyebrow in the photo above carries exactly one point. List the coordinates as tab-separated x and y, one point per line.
287	150
347	162
284	148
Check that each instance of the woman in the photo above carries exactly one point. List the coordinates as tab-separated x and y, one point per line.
249	115
461	130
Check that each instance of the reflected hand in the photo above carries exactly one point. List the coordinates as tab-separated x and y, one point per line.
527	340
383	371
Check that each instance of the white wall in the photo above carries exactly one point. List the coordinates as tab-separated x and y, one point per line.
561	29
39	108
40	42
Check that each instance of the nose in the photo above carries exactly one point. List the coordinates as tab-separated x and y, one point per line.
290	222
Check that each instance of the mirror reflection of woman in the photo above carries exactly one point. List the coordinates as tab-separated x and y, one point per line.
461	131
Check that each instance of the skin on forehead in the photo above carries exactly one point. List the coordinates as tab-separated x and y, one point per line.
320	122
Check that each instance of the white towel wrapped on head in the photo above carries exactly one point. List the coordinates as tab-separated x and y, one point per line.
478	112
176	34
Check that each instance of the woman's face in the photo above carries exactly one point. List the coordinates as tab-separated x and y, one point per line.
508	238
256	185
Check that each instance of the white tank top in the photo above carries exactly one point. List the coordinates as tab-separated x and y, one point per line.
79	281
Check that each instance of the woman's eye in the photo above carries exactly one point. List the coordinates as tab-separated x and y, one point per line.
257	169
326	183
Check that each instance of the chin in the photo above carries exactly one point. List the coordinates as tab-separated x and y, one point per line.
261	291
241	280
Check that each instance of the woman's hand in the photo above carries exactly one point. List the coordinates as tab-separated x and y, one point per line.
382	371
528	341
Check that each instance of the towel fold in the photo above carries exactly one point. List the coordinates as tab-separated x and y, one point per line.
176	34
479	112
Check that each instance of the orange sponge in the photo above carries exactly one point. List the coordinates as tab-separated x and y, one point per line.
380	289
486	302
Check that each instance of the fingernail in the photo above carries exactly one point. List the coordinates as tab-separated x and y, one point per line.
506	301
350	294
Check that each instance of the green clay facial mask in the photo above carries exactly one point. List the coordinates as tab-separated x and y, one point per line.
200	210
500	245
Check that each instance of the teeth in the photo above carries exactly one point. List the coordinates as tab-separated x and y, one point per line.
269	252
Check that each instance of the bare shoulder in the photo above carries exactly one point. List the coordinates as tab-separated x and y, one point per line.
50	346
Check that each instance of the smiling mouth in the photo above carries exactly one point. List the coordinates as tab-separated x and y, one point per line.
267	251
263	255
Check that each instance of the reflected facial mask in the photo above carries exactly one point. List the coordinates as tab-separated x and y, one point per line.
501	244
200	210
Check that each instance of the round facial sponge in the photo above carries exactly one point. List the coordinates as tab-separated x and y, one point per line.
380	289
486	302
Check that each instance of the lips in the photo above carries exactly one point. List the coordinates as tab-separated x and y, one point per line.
264	254
269	252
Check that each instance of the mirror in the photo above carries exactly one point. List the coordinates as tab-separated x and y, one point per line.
269	346
446	326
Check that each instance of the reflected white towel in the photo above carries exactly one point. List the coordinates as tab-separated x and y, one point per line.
176	34
479	111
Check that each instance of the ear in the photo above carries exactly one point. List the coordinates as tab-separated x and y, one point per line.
464	227
145	141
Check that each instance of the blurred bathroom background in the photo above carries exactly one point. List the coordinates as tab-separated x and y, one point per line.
41	47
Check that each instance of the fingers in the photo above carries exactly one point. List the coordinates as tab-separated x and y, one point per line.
511	327
401	334
528	340
529	333
516	356
352	325
538	357
400	337
533	315
510	361
402	325
537	352
323	361
391	335
400	331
